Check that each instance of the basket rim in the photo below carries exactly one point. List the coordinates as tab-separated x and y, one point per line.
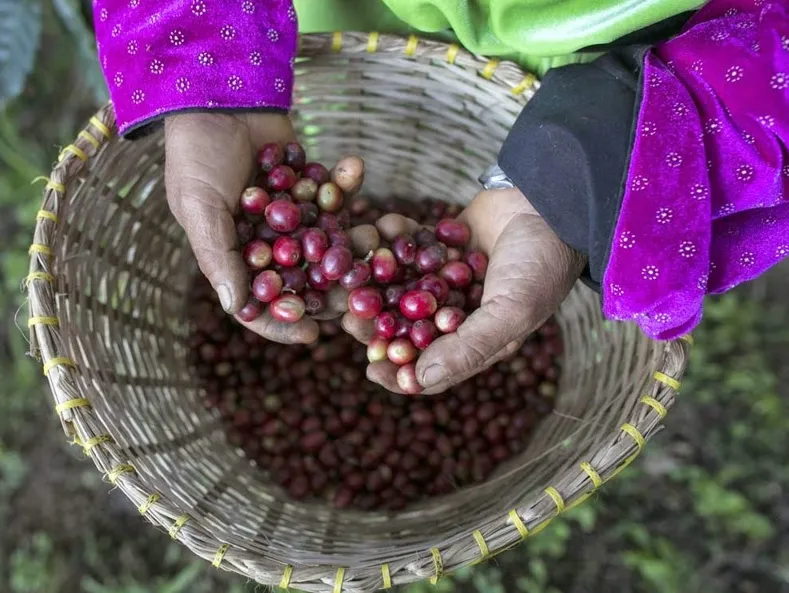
81	423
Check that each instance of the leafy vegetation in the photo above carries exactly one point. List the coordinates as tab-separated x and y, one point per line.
703	509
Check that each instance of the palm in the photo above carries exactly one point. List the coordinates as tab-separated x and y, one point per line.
530	273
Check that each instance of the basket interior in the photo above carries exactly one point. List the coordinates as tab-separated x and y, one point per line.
425	130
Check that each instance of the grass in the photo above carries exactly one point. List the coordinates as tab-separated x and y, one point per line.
703	509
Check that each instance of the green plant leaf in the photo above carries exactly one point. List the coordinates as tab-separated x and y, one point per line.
69	13
20	31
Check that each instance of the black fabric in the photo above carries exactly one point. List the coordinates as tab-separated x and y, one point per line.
570	147
148	126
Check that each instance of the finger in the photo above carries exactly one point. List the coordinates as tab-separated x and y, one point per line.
348	173
305	331
336	304
494	327
392	225
385	374
212	234
362	330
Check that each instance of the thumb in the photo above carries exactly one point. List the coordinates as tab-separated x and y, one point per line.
211	231
493	331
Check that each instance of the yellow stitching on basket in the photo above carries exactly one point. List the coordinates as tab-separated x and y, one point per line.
666	380
90	443
46	214
284	582
592	473
489	69
452	53
387	576
220	555
56	186
89	138
483	545
58	361
410	47
80	402
527	81
39	276
519	524
557	498
179	522
372	42
635	434
687	338
336	41
39	248
438	565
338	579
33	321
96	123
116	472
655	405
149	502
76	151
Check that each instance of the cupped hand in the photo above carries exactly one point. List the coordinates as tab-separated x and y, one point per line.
530	272
210	160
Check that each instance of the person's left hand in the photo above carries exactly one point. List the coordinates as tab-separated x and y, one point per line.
530	273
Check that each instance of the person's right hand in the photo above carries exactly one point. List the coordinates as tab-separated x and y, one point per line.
210	159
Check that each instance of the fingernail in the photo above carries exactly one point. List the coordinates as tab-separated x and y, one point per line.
433	374
225	299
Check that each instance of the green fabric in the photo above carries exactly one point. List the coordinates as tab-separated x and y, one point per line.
537	34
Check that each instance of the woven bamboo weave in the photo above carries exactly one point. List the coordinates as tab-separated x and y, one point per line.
109	271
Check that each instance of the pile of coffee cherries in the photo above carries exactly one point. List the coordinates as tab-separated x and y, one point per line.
299	244
293	235
306	416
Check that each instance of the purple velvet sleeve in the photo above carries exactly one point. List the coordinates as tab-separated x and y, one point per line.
705	205
171	55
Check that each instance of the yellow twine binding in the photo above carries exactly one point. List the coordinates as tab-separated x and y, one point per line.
438	565
635	434
338	579
592	473
39	248
655	405
556	497
484	551
220	555
116	472
372	42
386	576
452	53
666	380
56	186
150	501
80	402
39	276
33	321
489	69
527	81
519	524
75	150
96	123
89	138
179	522
95	441
46	214
284	582
688	338
56	362
410	47
336	42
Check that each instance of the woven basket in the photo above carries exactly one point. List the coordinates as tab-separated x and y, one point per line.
108	273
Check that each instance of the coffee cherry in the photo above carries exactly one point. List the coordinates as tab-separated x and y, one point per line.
314	244
329	197
365	302
270	156
385	325
282	216
317	172
267	286
281	178
383	265
449	319
418	304
453	232
257	255
287	308
294	157
254	201
287	251
336	262
422	333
